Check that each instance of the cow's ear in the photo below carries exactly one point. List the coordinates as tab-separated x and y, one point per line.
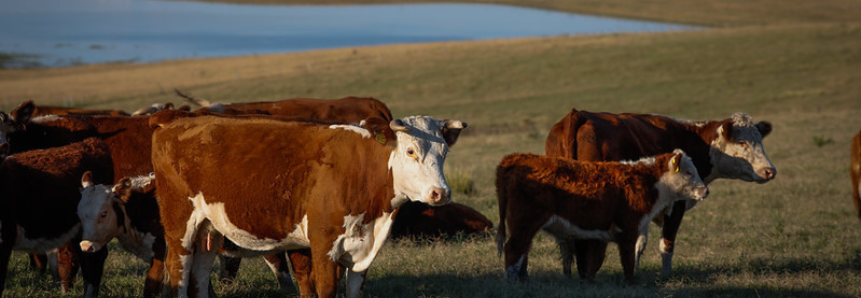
725	130
451	130
4	150
123	189
87	179
22	114
380	129
764	128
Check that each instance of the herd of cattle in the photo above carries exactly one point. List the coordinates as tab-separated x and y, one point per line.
314	186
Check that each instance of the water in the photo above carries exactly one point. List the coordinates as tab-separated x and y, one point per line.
69	32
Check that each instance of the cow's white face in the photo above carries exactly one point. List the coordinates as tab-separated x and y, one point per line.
417	162
738	153
682	179
98	216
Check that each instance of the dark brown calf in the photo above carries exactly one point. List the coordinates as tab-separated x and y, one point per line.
415	219
45	184
605	201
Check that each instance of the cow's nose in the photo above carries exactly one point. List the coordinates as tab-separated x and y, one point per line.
88	246
768	173
439	196
701	192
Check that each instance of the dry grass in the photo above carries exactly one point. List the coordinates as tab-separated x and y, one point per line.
794	237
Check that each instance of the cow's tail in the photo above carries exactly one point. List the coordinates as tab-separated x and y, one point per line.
502	203
196	101
562	139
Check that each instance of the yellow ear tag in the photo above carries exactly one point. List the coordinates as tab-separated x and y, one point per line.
720	129
381	138
673	162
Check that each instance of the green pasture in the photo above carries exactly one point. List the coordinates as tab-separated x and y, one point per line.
797	65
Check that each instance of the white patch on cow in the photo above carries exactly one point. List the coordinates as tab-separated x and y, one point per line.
360	243
512	271
201	267
648	161
217	217
184	262
355	280
562	229
45	119
194	220
43	244
359	130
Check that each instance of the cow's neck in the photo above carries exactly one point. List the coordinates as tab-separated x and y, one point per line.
698	147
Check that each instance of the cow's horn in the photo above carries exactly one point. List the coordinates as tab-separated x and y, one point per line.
398	125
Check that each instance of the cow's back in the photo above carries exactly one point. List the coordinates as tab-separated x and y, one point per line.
129	139
344	110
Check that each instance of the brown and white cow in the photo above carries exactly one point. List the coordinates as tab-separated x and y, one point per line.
570	199
730	148
44	184
269	186
855	172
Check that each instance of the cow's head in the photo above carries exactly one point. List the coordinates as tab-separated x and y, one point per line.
16	120
101	211
681	179
416	163
737	151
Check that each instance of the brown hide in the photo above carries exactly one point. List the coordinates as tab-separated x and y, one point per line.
855	172
420	219
268	175
45	184
599	196
39	110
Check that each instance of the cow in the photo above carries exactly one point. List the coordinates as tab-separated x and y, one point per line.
418	219
44	184
730	148
855	172
330	191
128	211
571	199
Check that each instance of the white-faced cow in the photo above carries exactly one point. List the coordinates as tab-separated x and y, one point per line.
570	199
730	148
855	172
270	186
44	184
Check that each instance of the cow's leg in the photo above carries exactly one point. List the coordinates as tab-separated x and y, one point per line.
281	268
566	249
155	275
590	256
229	268
201	267
8	234
302	270
68	263
355	283
326	273
178	260
53	264
668	236
92	267
518	246
38	262
640	246
628	256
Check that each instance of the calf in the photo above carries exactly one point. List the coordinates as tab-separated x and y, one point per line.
330	190
606	201
44	184
730	148
416	219
855	172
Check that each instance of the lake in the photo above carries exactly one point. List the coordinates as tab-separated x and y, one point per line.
71	32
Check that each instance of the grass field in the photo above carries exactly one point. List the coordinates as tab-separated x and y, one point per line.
796	236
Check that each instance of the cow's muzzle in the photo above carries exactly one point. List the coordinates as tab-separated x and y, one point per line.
701	192
766	174
89	246
439	196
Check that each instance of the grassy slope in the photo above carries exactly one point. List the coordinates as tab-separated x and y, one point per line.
795	236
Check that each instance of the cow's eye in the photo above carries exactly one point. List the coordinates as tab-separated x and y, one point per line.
104	214
743	144
411	152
